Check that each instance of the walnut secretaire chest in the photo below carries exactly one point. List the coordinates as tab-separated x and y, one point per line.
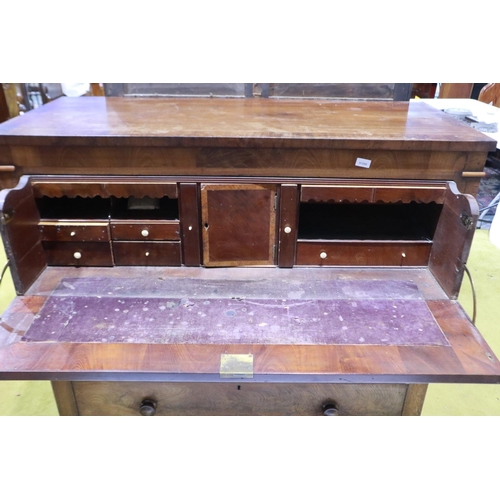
226	256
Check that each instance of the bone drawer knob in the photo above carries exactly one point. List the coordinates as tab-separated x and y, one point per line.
288	229
77	255
145	233
72	233
148	408
147	254
323	255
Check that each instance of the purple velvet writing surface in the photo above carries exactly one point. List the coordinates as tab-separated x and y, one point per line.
119	313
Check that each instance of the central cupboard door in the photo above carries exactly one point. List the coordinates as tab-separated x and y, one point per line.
238	224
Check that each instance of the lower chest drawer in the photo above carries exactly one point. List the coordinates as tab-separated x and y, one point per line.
233	398
78	253
147	253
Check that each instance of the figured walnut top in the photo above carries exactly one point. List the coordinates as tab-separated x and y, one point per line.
206	122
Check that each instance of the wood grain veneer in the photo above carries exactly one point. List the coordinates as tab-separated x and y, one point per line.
242	171
99	121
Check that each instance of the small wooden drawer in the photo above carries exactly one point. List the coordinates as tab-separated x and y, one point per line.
84	231
363	253
144	231
373	194
180	398
78	253
147	253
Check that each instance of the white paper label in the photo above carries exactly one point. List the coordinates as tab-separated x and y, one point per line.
363	162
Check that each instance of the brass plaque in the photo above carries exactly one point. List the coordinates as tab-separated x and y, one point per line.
236	365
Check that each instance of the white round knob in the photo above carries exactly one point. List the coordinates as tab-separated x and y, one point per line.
147	254
72	233
145	233
288	229
323	255
77	255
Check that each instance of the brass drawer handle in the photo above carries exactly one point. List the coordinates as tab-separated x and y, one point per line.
148	408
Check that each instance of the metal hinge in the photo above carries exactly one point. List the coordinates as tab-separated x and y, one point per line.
5	218
467	220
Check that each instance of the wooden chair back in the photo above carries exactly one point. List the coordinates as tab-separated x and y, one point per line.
490	94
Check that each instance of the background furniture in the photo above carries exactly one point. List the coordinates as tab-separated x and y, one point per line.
357	91
490	94
455	90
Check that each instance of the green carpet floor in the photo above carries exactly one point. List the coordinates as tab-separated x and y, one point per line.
35	398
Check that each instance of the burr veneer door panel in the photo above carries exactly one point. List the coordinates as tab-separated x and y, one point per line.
238	224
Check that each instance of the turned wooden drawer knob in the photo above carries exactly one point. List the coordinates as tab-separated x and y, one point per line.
330	410
77	255
145	233
323	255
148	408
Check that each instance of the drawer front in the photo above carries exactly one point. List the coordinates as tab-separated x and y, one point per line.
363	253
126	398
78	253
85	231
373	194
147	254
145	231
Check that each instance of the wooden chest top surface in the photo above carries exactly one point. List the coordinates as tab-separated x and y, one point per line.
190	122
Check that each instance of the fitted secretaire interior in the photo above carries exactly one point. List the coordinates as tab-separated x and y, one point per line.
241	224
151	257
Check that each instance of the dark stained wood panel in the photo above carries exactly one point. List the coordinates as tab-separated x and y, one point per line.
152	253
190	219
289	208
363	253
453	239
357	193
18	226
177	89
145	230
77	253
104	187
333	90
100	121
85	231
